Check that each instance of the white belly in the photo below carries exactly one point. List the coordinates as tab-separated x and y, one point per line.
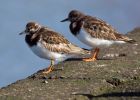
43	52
94	42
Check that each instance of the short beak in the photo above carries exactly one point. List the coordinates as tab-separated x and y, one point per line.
67	19
22	33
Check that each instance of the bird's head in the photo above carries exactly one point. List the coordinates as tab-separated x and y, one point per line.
73	16
31	28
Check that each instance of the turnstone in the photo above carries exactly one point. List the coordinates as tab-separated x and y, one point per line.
94	32
48	44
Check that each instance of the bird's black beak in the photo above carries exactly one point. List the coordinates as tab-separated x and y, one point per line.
22	33
67	19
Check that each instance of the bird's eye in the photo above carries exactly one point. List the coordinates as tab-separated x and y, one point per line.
74	15
29	29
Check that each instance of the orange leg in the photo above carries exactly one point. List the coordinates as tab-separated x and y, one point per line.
94	56
50	68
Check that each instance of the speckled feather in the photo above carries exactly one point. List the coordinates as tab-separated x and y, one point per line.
57	43
95	27
102	30
53	41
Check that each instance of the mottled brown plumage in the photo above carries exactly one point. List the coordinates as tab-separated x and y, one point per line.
57	43
52	40
49	44
100	29
94	26
93	31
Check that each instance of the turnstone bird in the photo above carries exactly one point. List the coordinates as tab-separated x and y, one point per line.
48	44
94	32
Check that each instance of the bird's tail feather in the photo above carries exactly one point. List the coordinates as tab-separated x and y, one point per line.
131	41
128	40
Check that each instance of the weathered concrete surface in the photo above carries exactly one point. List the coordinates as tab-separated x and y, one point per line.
116	75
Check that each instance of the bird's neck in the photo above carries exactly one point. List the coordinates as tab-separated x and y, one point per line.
75	27
32	39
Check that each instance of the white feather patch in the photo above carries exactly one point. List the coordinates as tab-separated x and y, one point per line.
43	52
91	41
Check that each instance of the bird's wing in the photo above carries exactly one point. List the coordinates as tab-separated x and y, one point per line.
55	42
100	29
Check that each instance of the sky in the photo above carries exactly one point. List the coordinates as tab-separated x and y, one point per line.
18	62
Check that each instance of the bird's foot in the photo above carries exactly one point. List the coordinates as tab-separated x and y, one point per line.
50	69
89	59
